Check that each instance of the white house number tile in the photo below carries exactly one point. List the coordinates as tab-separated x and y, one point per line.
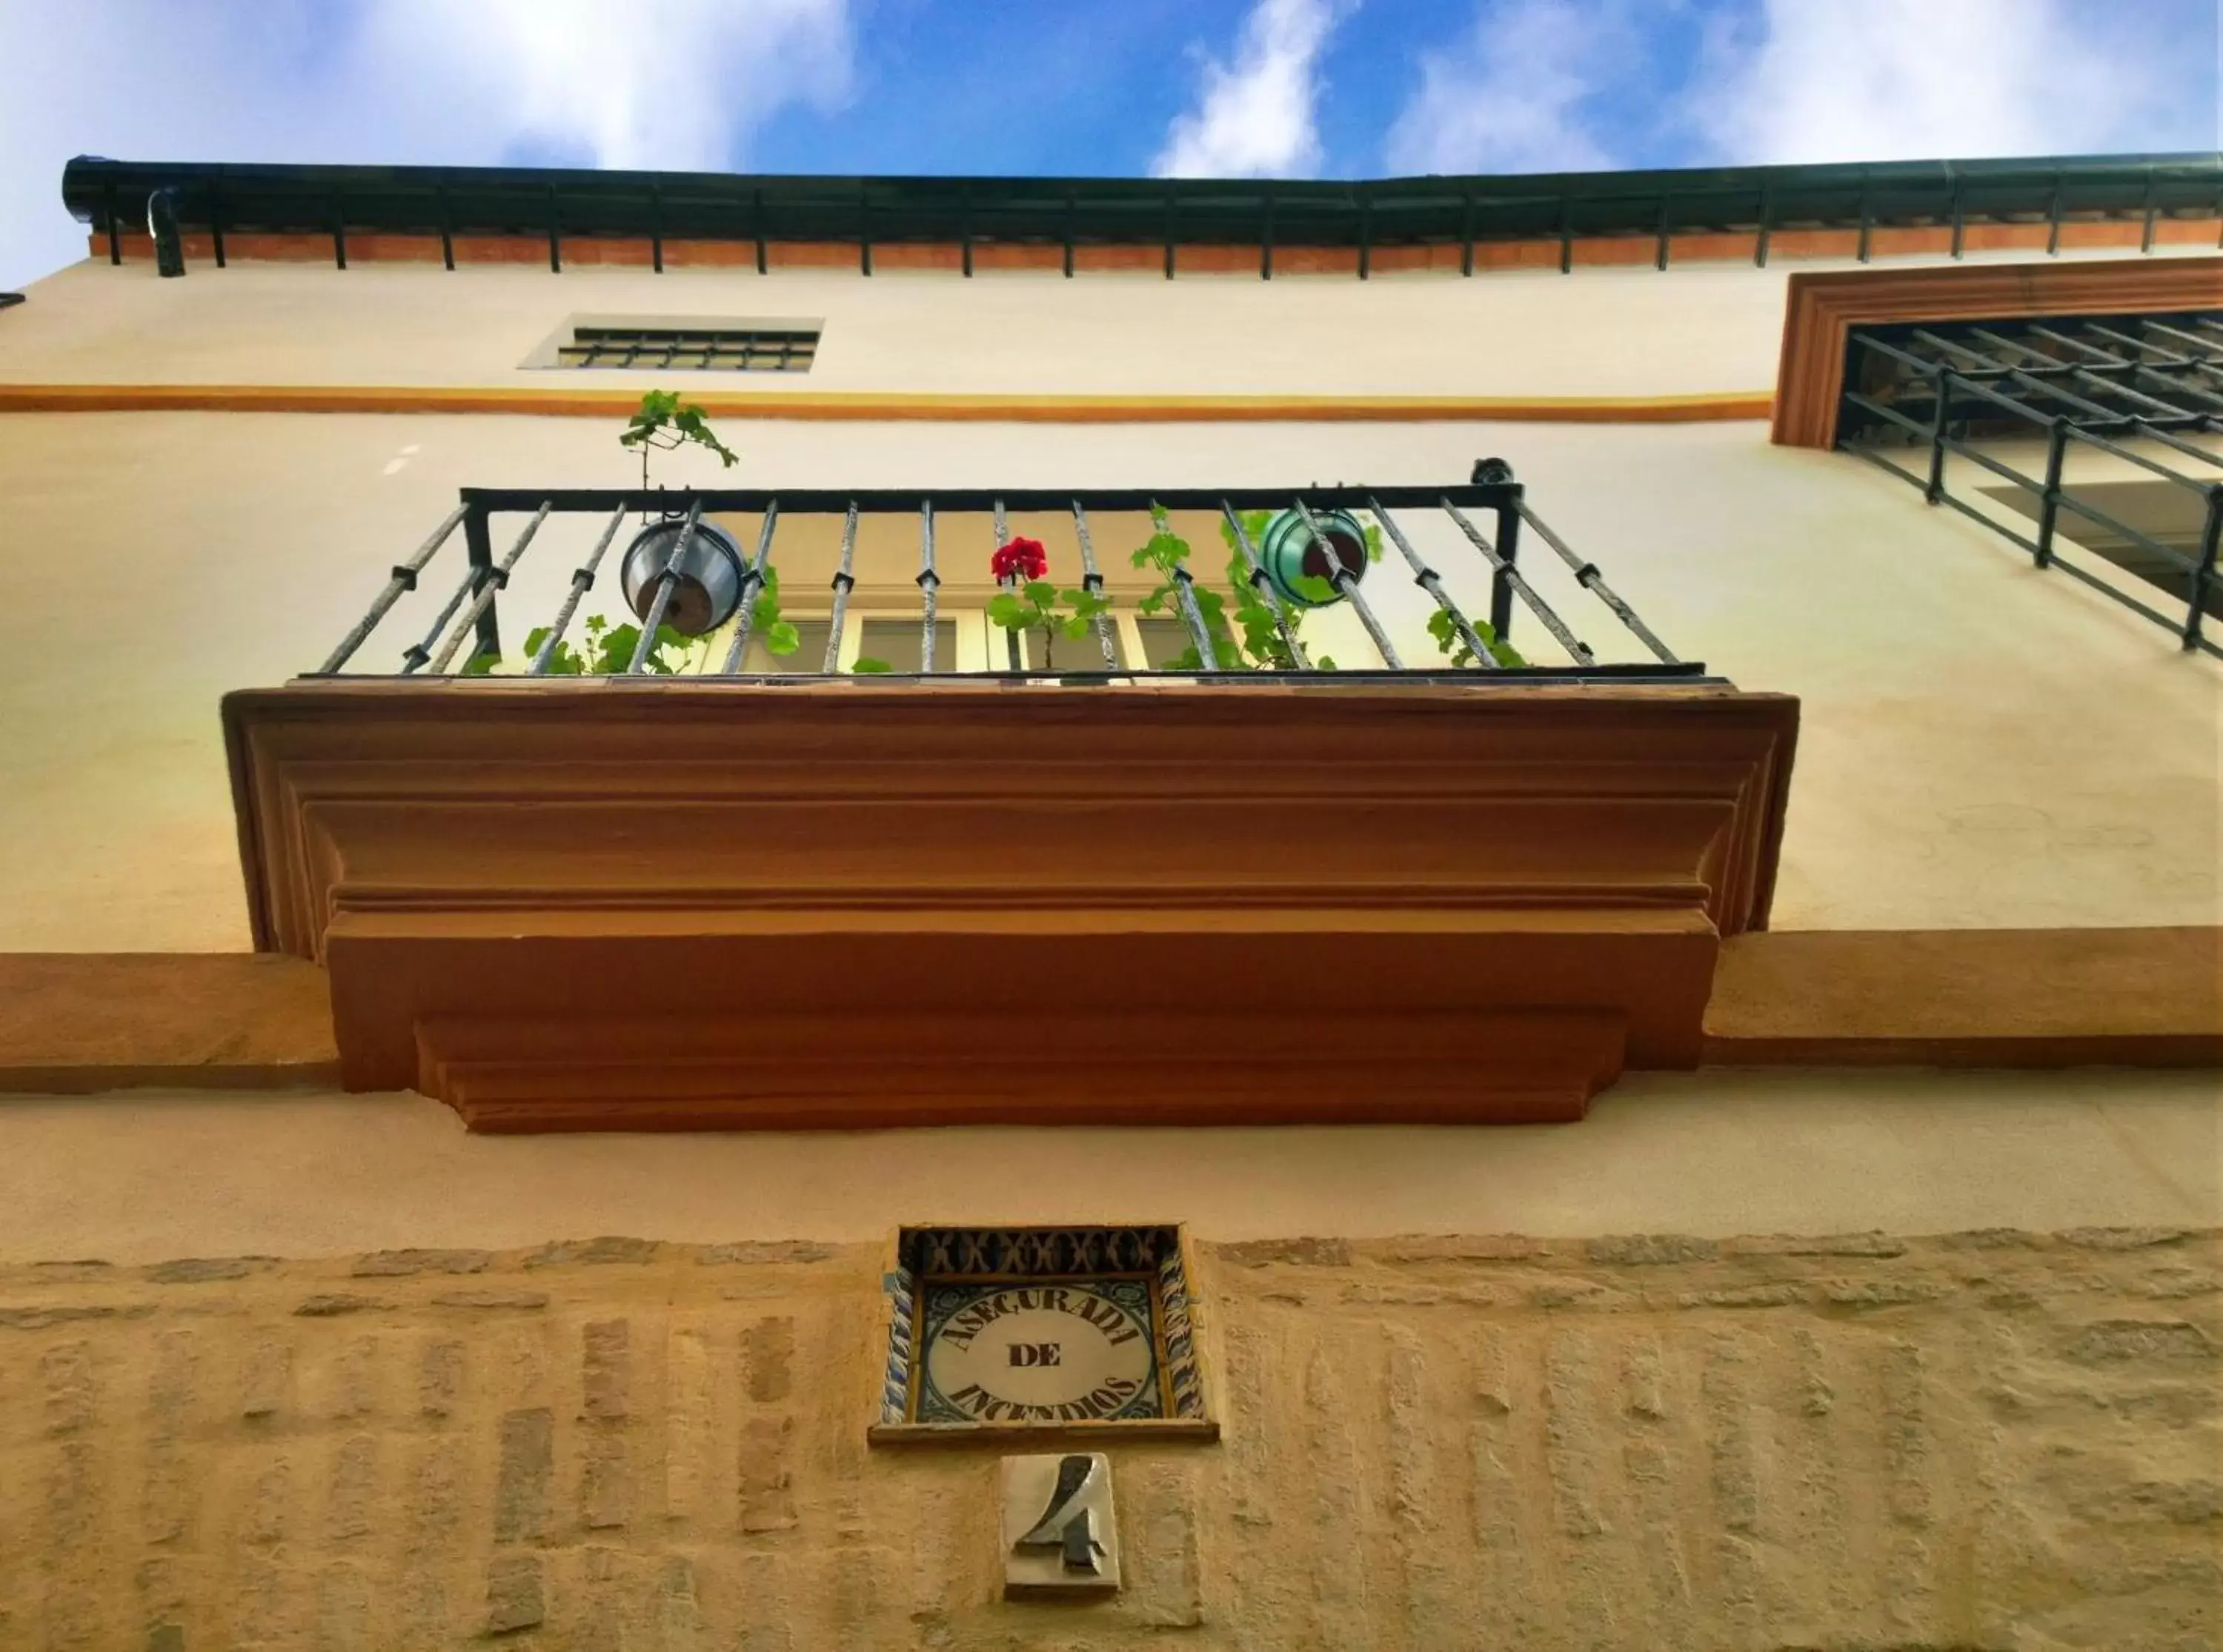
1059	1534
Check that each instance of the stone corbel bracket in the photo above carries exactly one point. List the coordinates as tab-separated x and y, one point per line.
675	905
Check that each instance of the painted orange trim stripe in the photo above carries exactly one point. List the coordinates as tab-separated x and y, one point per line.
884	407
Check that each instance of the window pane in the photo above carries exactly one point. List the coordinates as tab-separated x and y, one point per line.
1164	640
1082	653
896	641
810	650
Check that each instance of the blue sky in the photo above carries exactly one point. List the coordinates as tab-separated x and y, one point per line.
1121	87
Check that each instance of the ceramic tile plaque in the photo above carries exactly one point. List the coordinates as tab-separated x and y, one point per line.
1013	1332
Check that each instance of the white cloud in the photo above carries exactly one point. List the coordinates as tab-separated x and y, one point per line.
1256	118
678	83
1508	97
1918	79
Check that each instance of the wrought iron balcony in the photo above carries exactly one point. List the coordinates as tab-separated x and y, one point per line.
2138	398
1233	885
691	587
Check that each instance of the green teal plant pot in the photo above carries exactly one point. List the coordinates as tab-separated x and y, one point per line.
1289	550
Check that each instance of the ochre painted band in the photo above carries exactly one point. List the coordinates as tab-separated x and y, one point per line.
888	407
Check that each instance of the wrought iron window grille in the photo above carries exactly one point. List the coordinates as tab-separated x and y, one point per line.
466	627
710	350
2145	392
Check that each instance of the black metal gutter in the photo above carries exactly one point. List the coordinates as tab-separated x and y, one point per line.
1368	215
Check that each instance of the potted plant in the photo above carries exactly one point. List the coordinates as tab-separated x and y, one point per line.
1031	601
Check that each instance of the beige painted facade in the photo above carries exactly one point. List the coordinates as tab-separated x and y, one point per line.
1983	746
1923	1361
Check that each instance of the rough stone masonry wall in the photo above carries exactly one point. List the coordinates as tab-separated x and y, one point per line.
1990	1440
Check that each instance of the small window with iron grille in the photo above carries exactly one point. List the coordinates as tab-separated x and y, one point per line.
706	347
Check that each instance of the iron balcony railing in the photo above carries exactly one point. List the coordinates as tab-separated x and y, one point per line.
680	570
2139	396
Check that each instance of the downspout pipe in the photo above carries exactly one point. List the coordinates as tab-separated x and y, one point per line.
163	225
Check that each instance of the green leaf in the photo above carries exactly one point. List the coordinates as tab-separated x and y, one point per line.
480	665
1186	660
1325	662
868	666
783	639
1007	611
1074	626
1314	588
1040	593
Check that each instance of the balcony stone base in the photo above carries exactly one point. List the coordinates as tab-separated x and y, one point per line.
686	905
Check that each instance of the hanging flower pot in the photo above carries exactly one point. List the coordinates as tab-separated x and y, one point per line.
1290	552
708	587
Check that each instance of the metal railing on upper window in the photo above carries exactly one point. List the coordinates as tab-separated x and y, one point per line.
2135	401
715	350
688	583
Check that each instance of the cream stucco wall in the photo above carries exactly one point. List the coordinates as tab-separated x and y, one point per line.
1525	333
1983	745
1713	1154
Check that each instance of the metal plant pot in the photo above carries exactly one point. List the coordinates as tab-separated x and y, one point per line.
1289	550
708	587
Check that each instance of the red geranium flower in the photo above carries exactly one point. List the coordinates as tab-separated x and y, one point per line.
1024	557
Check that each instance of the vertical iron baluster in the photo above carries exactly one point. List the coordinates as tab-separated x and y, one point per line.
1092	582
753	581
1767	224
756	222
1010	637
403	577
1466	233
2053	219
1943	380
1185	599
1868	215
1666	227
1347	582
447	229
415	657
1425	577
1266	240
583	579
2153	207
339	230
1516	584
667	578
656	230
1508	554
1264	587
2203	577
929	583
216	219
1365	233
107	211
842	584
2049	507
554	234
1960	213
498	581
1587	575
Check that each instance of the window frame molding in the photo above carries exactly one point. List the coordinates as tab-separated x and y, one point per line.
1821	310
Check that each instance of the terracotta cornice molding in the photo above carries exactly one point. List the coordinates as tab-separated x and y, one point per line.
624	906
1823	309
1239	258
870	406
